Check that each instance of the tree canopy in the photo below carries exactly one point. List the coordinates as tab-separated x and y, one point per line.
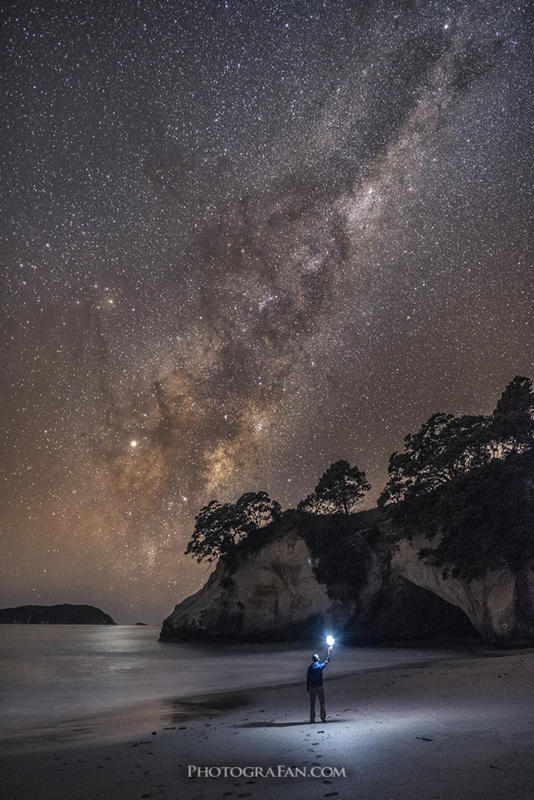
339	490
467	478
219	527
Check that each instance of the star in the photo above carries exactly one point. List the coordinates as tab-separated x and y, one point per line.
235	254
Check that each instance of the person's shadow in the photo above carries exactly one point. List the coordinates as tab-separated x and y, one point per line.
286	724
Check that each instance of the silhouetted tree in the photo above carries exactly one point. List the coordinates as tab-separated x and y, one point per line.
258	509
512	422
446	446
517	397
219	527
339	490
443	448
468	479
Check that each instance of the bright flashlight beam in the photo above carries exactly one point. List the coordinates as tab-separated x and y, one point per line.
330	641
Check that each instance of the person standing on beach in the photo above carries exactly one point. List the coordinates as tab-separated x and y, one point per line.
314	684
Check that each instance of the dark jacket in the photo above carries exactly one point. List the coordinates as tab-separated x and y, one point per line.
314	677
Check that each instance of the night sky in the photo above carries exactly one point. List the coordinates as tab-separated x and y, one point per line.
242	240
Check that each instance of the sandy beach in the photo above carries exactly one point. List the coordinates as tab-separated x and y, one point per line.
460	728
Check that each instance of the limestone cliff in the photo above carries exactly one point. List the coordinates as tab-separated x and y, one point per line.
269	593
290	584
500	606
282	588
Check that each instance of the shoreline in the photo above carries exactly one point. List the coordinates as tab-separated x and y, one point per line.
459	727
114	724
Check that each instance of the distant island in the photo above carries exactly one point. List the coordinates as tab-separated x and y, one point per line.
64	614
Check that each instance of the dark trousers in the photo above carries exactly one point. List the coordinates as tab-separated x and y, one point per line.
317	691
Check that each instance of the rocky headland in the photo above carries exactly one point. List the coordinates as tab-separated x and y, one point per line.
283	582
64	614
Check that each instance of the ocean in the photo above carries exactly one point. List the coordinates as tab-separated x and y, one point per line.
63	682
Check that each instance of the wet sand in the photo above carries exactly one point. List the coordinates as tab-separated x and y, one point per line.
460	728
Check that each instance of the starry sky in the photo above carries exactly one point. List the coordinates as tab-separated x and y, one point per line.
241	240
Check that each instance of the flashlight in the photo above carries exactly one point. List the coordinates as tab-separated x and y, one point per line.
330	641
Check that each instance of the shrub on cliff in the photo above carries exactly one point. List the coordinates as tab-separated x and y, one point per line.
340	556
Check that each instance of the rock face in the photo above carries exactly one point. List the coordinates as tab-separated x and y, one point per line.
282	589
271	593
390	608
500	606
64	614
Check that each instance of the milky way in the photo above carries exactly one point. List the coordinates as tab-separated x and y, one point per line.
241	241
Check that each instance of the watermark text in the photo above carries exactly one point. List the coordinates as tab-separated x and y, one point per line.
277	771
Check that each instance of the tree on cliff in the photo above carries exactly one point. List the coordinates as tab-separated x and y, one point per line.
468	479
219	527
257	509
444	447
512	422
339	490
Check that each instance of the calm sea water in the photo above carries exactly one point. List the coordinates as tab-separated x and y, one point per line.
50	674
